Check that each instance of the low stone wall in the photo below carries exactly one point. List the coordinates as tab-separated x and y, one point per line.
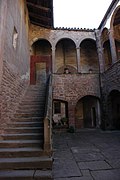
72	87
11	92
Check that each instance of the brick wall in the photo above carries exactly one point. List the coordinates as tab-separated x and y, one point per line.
15	61
12	91
72	87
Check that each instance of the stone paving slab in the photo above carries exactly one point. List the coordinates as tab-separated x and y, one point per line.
64	168
94	165
90	156
74	178
82	150
87	155
111	154
113	174
115	163
63	154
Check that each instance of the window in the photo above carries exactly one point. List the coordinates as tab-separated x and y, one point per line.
57	107
15	37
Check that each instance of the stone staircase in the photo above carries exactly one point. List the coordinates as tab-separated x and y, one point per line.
21	147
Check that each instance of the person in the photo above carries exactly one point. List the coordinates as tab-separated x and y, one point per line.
66	71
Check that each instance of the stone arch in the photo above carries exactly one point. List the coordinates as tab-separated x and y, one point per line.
67	70
107	54
37	39
104	35
65	53
40	62
113	110
87	112
106	48
64	37
115	27
85	38
41	47
113	17
88	56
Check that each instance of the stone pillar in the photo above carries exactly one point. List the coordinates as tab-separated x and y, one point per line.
53	59
100	51
98	123
78	59
71	114
112	46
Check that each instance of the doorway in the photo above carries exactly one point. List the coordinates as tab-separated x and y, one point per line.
40	69
87	112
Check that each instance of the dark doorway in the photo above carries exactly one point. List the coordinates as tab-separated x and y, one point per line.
87	112
114	109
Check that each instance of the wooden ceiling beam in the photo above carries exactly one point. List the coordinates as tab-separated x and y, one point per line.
38	7
38	17
40	24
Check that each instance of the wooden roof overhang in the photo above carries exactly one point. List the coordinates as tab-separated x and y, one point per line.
41	12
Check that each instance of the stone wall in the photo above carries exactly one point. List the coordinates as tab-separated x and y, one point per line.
72	87
110	80
14	59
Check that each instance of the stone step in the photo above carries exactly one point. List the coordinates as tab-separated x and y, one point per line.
26	163
35	95
20	143
23	115
26	175
28	119
36	88
23	136
32	103
29	98
24	130
26	110
23	152
31	107
26	124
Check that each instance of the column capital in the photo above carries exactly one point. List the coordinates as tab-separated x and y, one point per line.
77	47
53	48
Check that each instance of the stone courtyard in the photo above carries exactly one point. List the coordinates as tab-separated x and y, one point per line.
86	155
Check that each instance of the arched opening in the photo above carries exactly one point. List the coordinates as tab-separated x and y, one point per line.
41	47
89	57
114	110
60	113
115	25
107	54
40	65
65	55
104	35
66	70
87	112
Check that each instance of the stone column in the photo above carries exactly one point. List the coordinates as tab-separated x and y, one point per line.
78	59
71	114
112	46
100	51
53	59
